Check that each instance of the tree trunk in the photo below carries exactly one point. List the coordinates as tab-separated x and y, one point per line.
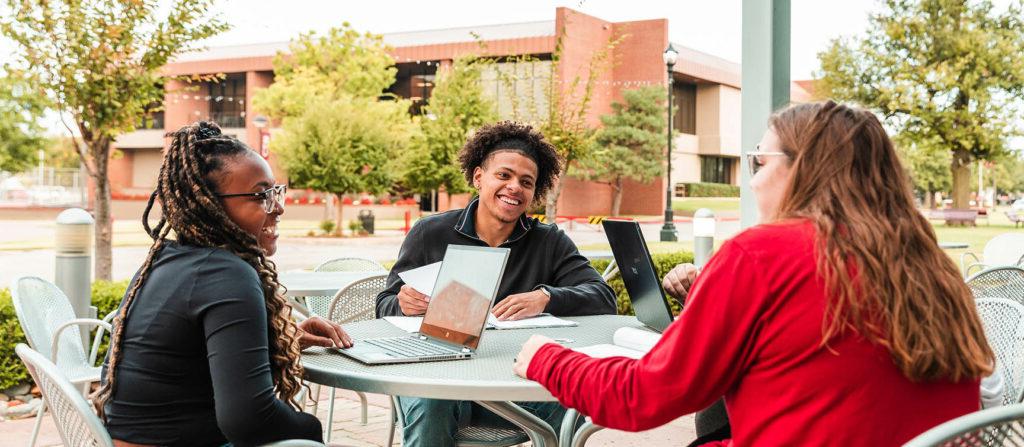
961	170
929	199
617	196
104	230
551	204
339	223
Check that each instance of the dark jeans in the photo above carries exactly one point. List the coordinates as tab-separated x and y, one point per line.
433	422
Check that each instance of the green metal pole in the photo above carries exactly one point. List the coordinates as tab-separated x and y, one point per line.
765	78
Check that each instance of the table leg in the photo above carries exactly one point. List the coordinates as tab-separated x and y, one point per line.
541	434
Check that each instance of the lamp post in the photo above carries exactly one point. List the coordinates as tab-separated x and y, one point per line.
703	236
668	231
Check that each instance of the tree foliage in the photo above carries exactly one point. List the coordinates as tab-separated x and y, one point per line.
20	134
457	108
98	62
943	72
631	143
562	117
344	146
341	63
341	133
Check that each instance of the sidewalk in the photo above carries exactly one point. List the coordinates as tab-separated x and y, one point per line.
348	431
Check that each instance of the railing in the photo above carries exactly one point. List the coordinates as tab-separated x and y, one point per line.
43	187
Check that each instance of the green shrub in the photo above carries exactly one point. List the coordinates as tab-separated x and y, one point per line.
327	226
106	296
662	264
711	190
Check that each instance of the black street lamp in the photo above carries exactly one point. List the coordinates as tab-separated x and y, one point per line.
668	231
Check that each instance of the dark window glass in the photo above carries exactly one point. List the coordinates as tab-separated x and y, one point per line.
684	117
716	169
227	101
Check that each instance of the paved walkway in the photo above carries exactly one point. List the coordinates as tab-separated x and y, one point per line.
348	431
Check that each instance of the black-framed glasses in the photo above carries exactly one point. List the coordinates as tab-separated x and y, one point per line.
270	196
754	161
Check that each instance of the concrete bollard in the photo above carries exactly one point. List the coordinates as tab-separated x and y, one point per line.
703	236
73	273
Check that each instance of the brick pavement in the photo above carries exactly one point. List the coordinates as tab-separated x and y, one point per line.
348	431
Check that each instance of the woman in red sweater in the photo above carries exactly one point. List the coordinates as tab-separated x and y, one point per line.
836	321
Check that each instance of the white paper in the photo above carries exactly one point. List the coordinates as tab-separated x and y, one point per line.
539	321
422	278
408	324
627	342
605	351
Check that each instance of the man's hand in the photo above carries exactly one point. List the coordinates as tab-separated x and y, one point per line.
678	281
316	331
526	354
411	301
521	305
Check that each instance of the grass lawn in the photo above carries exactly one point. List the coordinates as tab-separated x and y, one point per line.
686	206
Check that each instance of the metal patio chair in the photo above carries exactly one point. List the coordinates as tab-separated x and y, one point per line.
51	328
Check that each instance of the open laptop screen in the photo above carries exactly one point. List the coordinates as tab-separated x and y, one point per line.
463	293
638	274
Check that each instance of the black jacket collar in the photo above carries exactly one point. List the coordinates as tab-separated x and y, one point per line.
466	223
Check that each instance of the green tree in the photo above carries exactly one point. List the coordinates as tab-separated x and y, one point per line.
928	162
98	62
457	108
341	133
341	63
20	134
947	70
346	145
562	116
631	143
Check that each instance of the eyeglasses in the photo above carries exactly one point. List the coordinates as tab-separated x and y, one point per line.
754	161
270	196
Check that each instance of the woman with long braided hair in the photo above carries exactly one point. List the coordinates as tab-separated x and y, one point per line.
204	351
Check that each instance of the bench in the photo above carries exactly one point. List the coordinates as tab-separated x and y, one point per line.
1016	218
955	217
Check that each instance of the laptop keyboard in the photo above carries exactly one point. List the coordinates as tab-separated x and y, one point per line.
410	346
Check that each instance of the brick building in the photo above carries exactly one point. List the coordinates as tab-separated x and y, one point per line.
706	92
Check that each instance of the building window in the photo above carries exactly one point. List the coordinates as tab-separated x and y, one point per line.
415	81
716	169
685	115
227	101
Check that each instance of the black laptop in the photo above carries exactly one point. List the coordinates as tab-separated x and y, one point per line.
638	274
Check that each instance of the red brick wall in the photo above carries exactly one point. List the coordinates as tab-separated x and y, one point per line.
119	171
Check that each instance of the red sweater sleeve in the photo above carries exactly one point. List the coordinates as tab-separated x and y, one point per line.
698	359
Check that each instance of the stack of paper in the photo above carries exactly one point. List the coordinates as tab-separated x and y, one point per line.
626	342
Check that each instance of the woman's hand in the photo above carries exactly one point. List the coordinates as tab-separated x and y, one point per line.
522	361
316	331
678	281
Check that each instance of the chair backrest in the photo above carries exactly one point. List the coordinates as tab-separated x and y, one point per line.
1003	321
75	420
1004	249
358	301
41	308
998	282
349	265
992	427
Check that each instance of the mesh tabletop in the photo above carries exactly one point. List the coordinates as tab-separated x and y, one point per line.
487	376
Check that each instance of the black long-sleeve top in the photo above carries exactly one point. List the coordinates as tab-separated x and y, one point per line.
540	255
195	365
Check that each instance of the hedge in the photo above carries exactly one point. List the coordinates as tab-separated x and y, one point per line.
107	295
711	190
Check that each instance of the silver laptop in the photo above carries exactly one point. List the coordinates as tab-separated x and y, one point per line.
454	322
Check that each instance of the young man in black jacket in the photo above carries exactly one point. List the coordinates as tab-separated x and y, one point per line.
510	165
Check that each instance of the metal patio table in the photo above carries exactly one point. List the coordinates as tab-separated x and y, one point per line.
486	379
319	283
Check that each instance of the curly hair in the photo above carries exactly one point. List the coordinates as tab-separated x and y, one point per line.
516	137
186	189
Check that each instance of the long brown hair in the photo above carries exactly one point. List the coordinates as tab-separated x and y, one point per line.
186	190
886	276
